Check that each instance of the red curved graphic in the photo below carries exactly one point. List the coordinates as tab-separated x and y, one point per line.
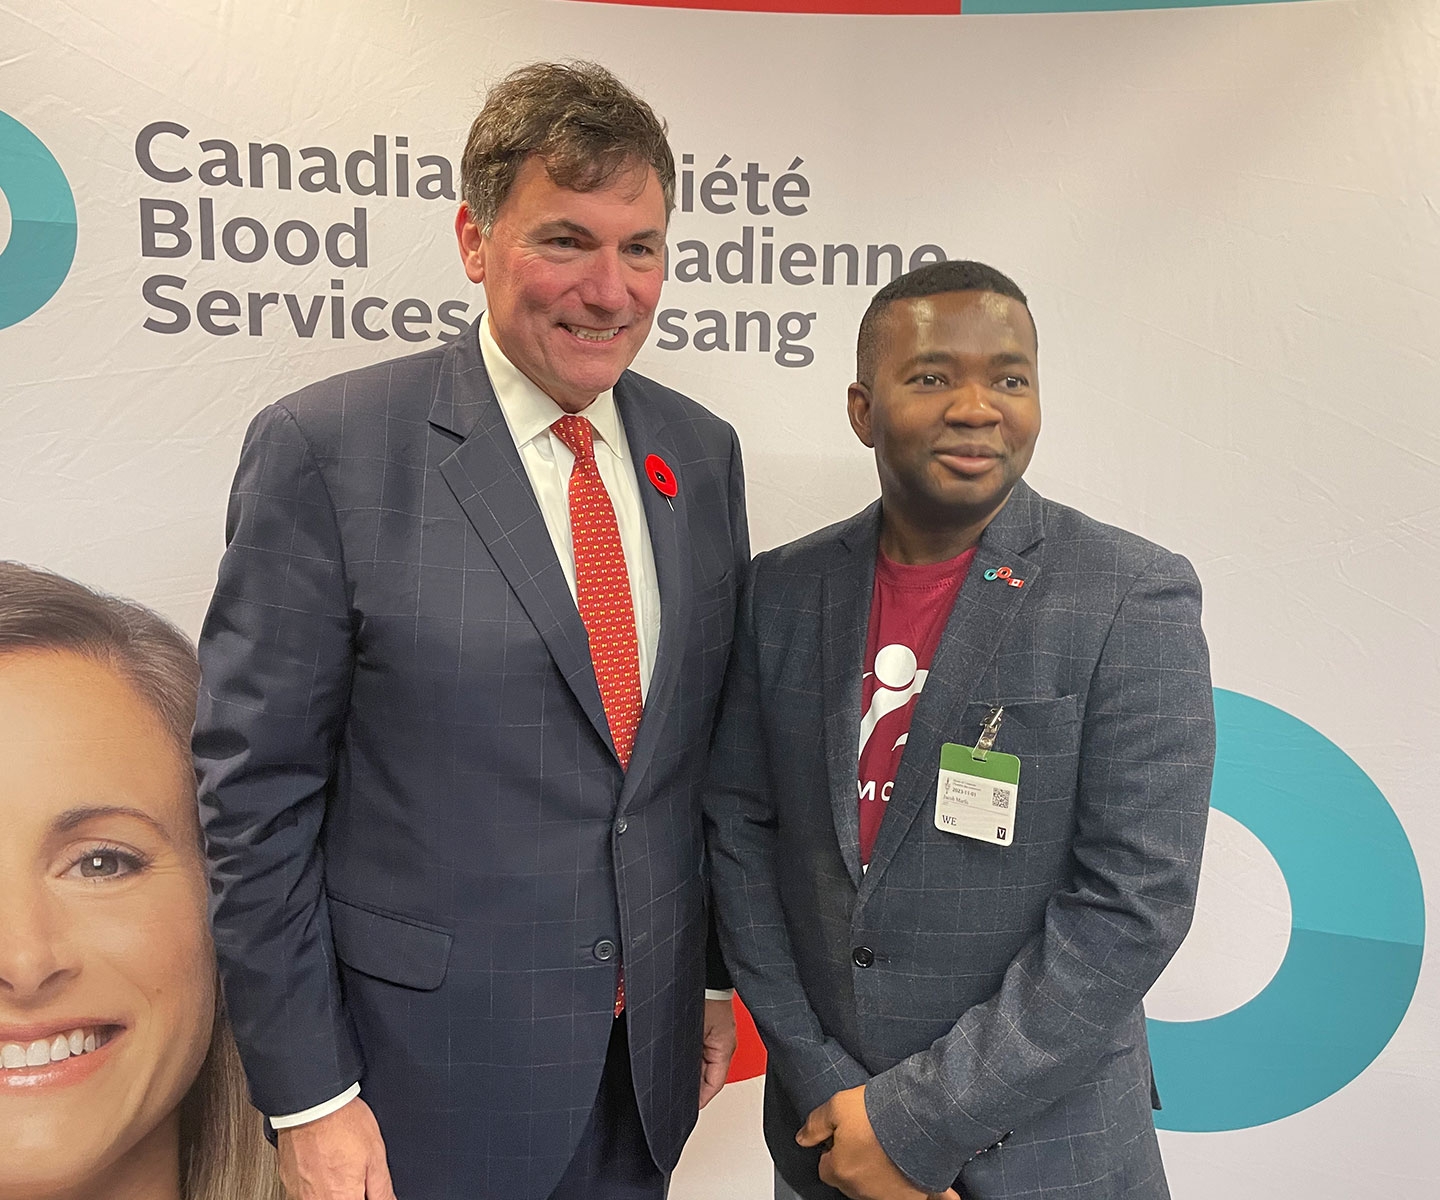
749	1060
881	8
917	8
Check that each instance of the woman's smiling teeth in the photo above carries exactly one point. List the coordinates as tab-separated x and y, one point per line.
591	335
44	1051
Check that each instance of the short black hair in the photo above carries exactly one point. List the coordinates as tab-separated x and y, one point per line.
933	279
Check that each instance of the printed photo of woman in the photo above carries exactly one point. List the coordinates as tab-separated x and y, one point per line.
118	1075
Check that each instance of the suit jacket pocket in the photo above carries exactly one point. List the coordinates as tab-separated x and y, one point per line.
389	947
1045	725
1045	734
1036	715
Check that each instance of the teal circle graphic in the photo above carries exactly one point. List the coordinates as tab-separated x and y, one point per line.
1357	931
37	258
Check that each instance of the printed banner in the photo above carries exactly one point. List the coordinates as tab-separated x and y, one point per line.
1224	216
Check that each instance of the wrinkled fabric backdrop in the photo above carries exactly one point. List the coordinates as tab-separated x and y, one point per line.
1227	218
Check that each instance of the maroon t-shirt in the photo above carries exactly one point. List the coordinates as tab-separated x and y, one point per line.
908	611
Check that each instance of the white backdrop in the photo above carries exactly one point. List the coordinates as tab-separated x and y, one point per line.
1227	219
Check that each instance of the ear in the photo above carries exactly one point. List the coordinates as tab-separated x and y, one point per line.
472	244
858	403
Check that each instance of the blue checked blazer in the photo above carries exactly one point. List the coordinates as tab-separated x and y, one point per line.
426	861
1000	997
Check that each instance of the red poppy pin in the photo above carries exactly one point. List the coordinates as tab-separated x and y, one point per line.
661	476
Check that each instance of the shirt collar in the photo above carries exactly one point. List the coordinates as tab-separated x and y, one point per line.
528	411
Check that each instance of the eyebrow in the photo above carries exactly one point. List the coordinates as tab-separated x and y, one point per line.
940	358
934	358
561	225
72	818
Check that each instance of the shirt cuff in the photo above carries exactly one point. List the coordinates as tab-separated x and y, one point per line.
719	993
320	1110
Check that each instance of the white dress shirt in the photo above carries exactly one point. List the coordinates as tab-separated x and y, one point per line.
547	460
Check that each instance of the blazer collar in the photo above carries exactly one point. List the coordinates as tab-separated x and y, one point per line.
1018	526
648	433
844	623
488	480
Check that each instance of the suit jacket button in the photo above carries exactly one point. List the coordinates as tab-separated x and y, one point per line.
864	956
621	825
604	950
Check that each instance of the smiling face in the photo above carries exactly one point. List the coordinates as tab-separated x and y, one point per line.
952	413
106	967
571	278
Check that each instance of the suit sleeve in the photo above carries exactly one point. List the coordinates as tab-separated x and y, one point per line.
276	660
717	975
740	827
1146	756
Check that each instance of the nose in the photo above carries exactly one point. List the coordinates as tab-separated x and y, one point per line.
603	287
35	955
971	404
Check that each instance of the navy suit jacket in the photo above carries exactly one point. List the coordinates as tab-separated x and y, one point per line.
977	990
426	860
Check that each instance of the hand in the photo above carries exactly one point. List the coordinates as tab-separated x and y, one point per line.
338	1157
855	1162
717	1048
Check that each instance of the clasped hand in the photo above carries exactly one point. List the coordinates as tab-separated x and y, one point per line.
855	1162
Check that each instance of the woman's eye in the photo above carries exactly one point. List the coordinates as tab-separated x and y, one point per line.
105	862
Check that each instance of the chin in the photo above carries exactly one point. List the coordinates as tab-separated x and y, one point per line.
60	1168
592	383
57	1131
86	1140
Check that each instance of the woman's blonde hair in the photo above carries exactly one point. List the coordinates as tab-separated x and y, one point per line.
223	1152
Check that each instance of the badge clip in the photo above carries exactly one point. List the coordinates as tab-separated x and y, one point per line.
988	731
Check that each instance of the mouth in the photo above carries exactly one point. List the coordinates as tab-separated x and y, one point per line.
587	334
28	1057
968	460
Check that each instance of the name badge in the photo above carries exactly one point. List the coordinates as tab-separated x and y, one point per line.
978	791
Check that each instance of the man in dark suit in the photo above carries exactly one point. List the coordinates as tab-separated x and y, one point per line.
947	968
460	674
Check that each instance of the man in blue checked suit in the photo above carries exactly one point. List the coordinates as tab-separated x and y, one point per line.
460	676
959	794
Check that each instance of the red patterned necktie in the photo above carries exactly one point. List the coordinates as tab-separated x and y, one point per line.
602	592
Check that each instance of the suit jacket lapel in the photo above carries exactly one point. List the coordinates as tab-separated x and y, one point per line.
489	481
665	519
983	612
844	621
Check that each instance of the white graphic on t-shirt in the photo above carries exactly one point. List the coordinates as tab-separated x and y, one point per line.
895	670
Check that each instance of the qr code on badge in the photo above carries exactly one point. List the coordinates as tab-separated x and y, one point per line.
1000	798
